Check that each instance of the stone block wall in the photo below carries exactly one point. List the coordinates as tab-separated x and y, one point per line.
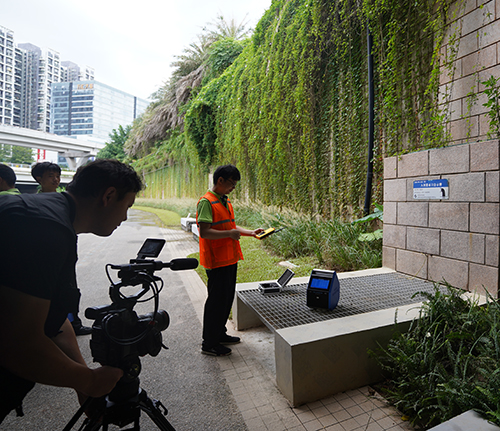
475	24
455	239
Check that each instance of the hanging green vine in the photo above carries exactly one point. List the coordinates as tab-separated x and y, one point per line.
292	110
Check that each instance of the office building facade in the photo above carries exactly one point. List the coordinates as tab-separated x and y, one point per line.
92	108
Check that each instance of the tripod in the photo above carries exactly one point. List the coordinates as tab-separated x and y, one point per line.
121	407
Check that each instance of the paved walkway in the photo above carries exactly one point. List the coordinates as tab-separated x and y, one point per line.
249	372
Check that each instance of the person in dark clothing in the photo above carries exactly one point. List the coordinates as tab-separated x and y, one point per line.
37	290
48	176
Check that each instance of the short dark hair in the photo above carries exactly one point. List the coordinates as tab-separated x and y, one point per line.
40	168
8	174
95	177
227	172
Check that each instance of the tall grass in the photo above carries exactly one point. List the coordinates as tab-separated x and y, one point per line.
448	362
333	243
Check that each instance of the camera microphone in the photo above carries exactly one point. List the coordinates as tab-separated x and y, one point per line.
174	265
181	264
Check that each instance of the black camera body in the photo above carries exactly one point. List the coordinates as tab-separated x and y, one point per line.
119	335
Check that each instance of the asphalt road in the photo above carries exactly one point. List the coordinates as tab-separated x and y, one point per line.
189	384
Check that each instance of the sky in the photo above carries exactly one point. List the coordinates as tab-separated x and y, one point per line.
131	45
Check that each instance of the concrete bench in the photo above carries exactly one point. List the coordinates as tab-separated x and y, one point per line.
468	421
322	358
187	222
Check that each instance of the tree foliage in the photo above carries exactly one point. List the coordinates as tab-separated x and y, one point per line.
215	49
114	148
16	154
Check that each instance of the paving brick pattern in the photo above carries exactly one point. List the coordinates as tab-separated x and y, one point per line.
249	371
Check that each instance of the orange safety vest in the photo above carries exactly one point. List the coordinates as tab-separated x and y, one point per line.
215	253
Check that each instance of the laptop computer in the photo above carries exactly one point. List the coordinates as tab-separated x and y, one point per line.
276	286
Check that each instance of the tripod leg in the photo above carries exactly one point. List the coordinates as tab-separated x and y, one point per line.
154	408
88	402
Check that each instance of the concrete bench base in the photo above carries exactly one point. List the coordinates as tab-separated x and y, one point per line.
316	360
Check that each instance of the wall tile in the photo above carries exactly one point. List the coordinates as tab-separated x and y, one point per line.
447	215
454	272
463	246
483	278
390	167
467	187
409	262
422	240
390	212
492	250
492	186
484	218
484	156
389	257
413	164
413	213
395	190
449	160
394	236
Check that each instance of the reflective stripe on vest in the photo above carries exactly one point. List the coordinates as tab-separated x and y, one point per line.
216	253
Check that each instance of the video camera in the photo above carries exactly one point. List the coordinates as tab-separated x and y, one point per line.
119	334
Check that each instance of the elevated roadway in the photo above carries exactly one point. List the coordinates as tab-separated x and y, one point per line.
76	151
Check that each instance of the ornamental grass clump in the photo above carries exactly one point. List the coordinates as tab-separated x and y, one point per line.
334	243
448	362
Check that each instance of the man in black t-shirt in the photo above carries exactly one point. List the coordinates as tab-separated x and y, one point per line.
37	289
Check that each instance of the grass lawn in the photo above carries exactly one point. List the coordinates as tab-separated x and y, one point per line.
168	218
258	265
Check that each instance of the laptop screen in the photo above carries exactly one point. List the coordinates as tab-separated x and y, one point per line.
285	278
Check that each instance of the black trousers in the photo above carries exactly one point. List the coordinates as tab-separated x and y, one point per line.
221	288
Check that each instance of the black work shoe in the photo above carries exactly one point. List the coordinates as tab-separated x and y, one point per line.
217	350
229	339
82	330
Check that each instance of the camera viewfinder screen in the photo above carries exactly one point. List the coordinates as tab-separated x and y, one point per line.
320	283
151	247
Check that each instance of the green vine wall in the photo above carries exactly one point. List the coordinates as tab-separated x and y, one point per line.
292	110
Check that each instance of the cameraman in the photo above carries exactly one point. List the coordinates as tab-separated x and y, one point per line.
38	236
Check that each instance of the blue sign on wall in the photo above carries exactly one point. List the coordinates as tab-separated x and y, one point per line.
430	189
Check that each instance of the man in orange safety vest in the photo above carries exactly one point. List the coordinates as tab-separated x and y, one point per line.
220	252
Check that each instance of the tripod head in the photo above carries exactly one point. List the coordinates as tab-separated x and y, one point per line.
119	334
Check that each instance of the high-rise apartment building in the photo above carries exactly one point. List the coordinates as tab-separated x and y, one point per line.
73	72
43	67
39	91
7	73
26	75
92	108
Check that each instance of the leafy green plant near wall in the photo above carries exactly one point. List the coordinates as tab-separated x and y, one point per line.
448	362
